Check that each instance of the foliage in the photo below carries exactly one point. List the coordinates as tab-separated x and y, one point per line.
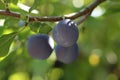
99	41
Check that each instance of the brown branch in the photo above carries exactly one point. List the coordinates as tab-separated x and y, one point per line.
85	11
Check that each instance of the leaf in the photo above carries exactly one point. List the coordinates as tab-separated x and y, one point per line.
35	26
45	29
11	23
23	16
9	1
2	6
35	5
14	1
40	27
5	42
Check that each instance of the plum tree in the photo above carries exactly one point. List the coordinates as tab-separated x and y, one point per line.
39	46
67	54
65	33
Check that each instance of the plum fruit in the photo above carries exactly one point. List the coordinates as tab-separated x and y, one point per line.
65	33
67	54
39	46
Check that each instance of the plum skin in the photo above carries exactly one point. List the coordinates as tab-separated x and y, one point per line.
67	54
39	47
65	33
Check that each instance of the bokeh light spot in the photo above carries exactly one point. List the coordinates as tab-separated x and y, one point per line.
111	57
26	8
78	3
47	9
97	12
2	22
94	59
19	76
56	73
112	77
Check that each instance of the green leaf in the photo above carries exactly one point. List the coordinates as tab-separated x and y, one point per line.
45	29
40	27
14	1
23	16
5	42
2	6
8	1
11	22
35	26
35	4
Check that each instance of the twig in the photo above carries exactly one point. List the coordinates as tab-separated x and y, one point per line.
83	18
85	11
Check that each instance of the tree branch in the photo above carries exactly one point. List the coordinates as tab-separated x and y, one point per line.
83	18
85	11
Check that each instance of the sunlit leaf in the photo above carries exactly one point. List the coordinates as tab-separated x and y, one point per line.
5	42
11	23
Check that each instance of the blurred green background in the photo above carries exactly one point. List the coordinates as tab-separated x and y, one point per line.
99	42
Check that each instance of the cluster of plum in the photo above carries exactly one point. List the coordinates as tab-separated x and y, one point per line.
65	34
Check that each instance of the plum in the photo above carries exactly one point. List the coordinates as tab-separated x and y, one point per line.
67	54
39	46
65	33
